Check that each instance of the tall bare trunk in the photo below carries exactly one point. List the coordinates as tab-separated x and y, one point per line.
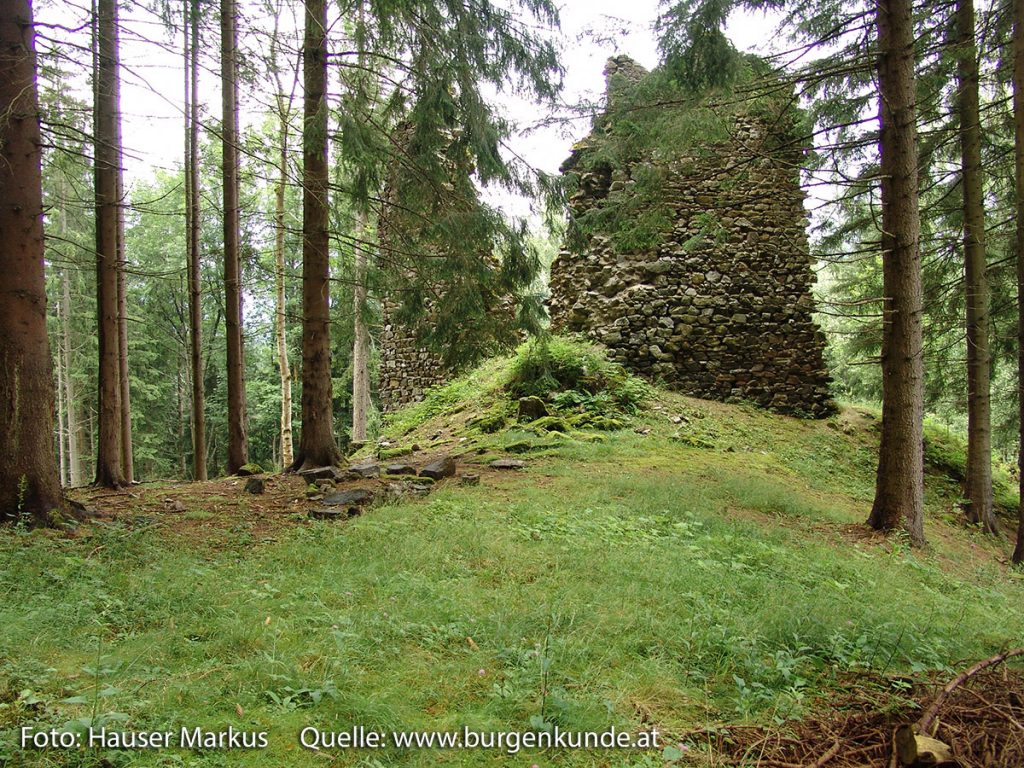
238	445
195	312
1018	134
62	435
317	446
127	456
109	467
899	485
361	344
280	326
978	488
29	479
70	391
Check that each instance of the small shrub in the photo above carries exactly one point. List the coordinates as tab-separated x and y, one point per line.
575	375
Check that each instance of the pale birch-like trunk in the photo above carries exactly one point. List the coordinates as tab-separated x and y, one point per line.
361	344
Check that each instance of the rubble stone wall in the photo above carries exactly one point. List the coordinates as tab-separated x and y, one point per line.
407	369
722	307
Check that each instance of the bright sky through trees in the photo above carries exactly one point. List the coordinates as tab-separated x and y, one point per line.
152	88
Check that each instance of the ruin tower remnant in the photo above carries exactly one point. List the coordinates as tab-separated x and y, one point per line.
717	304
432	266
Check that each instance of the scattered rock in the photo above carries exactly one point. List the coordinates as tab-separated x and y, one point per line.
394	492
355	446
547	424
170	505
362	472
324	485
255	485
322	473
508	464
439	468
400	469
351	497
247	470
531	409
469	479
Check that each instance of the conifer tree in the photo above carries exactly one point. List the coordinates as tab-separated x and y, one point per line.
29	479
109	457
190	28
317	445
1018	133
899	485
979	413
238	447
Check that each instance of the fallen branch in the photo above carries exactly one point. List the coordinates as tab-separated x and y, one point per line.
827	756
927	718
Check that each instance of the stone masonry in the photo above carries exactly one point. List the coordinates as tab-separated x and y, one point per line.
722	307
407	369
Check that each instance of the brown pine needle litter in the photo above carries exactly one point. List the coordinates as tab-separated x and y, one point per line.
981	719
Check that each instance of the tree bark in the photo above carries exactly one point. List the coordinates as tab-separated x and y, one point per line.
899	484
109	468
127	456
978	489
1018	135
238	446
280	326
70	393
317	446
361	344
29	479
62	435
192	246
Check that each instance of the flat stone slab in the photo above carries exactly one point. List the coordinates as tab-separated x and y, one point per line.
400	469
469	479
508	464
354	497
362	472
322	473
441	468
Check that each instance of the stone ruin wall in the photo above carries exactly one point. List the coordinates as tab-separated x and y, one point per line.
407	369
723	314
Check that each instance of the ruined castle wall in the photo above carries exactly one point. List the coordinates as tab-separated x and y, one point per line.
407	369
722	307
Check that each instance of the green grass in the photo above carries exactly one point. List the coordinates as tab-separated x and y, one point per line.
635	581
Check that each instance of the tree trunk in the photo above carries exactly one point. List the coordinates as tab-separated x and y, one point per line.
62	435
70	394
109	468
317	446
192	212
238	447
29	479
978	488
361	344
899	485
280	326
1018	134
127	457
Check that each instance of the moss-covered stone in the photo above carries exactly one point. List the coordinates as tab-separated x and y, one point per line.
548	424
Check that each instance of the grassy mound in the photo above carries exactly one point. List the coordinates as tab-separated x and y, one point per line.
573	388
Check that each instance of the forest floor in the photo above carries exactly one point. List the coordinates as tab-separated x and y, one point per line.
703	570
